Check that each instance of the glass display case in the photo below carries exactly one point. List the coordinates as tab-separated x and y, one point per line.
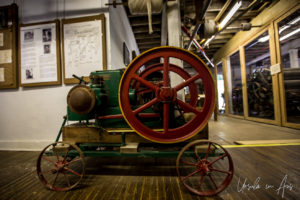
289	43
235	93
258	78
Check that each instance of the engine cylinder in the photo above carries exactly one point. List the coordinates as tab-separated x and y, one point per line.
81	99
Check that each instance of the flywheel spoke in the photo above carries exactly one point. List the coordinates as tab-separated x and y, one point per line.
145	82
187	82
143	91
188	107
145	106
166	72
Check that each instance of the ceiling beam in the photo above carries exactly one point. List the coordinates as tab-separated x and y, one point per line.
224	8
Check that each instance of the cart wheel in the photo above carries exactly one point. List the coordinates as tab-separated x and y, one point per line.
60	166
205	168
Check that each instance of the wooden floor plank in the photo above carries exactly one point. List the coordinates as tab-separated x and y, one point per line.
143	178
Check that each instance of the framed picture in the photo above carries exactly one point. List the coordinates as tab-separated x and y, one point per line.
84	47
39	54
8	46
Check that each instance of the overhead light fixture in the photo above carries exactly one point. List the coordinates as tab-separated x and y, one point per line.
281	29
264	39
233	10
289	34
289	25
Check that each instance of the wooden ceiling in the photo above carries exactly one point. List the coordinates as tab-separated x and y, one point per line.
216	11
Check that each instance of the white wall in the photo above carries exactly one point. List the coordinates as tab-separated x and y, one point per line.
120	31
30	118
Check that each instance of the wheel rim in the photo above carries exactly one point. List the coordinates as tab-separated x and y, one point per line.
60	166
167	95
204	168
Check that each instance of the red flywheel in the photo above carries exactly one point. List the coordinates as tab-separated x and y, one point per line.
167	94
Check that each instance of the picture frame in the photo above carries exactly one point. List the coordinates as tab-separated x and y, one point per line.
8	47
84	47
39	54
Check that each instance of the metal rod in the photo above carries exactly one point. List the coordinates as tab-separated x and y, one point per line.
195	42
193	36
60	131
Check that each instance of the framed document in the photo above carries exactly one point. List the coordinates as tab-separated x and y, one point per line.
8	46
39	54
84	46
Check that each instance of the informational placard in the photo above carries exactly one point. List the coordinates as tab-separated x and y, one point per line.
39	54
83	46
5	56
275	69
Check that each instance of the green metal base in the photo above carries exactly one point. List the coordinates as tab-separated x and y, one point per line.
139	154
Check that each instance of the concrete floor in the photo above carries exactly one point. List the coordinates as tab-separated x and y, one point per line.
259	172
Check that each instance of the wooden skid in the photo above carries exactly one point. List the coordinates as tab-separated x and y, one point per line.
76	133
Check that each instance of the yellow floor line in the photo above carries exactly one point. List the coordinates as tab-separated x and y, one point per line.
260	145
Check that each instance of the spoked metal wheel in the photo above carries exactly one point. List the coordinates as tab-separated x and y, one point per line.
60	166
204	168
167	94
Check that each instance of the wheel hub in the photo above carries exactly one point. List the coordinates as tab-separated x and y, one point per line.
60	166
167	94
203	166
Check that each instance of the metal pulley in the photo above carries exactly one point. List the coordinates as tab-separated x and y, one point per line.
208	29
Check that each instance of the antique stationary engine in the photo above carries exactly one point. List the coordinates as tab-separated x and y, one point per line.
144	96
142	104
